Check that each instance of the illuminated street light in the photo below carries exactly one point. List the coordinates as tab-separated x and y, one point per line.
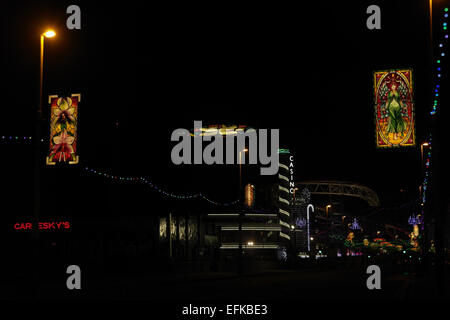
240	213
37	175
424	144
310	206
295	190
49	34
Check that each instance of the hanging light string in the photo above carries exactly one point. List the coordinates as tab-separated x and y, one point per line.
168	194
442	43
136	179
17	138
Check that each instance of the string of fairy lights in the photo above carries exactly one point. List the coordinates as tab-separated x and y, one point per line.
438	76
162	191
438	61
17	139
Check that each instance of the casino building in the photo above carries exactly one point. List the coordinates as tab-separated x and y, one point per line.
265	232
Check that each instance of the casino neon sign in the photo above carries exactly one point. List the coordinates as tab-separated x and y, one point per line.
291	175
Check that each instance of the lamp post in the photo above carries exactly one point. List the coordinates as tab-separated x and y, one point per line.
240	253
307	225
240	170
425	144
327	207
37	167
47	34
295	190
37	138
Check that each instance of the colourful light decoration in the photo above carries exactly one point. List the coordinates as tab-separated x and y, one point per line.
282	254
412	220
355	225
394	108
156	188
442	54
63	129
350	237
249	195
223	130
15	138
300	222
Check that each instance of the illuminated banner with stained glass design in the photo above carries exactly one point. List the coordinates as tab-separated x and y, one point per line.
394	108
63	129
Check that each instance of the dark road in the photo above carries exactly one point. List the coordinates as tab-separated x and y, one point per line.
273	285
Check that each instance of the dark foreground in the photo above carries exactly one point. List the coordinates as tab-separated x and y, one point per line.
222	287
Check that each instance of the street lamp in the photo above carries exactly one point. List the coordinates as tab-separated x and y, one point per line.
37	140
47	34
240	169
425	144
37	169
295	189
327	207
240	253
310	206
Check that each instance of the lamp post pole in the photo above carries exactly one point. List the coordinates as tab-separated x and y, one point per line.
307	226
37	139
240	253
37	166
425	144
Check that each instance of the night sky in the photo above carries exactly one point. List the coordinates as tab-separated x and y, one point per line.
144	71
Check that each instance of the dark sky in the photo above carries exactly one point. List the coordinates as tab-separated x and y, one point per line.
305	69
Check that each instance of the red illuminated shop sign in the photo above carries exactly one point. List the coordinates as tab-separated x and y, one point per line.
50	225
